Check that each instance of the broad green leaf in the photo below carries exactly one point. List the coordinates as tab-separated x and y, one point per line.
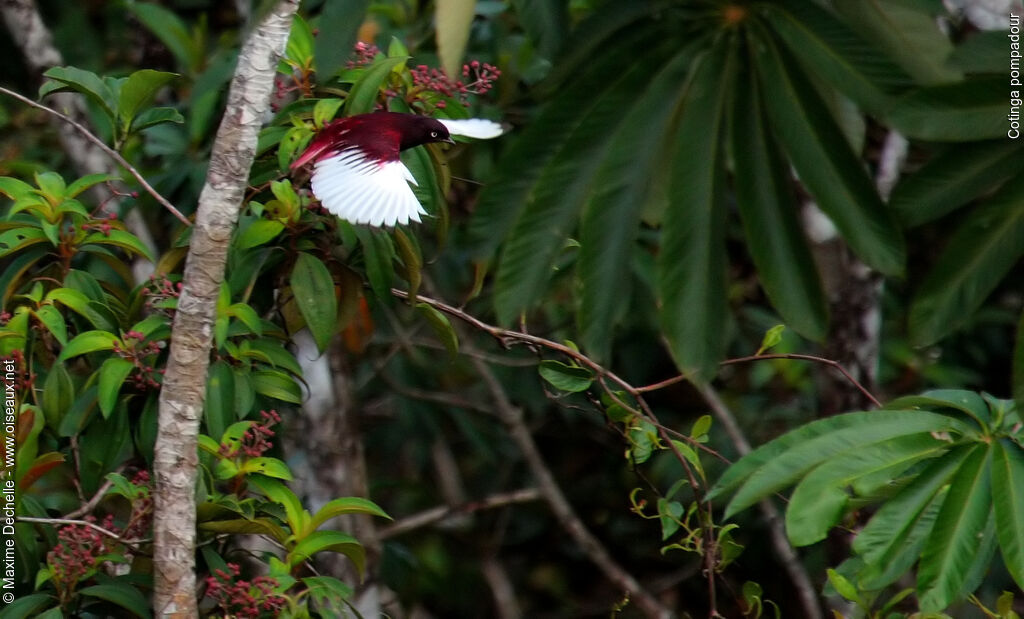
980	52
836	54
89	341
979	255
313	287
85	82
58	394
325	110
344	505
277	385
156	116
378	253
564	377
138	92
363	96
452	20
970	110
240	526
19	238
782	461
821	498
771	223
954	177
122	594
546	21
298	518
113	373
556	199
14	188
622	188
826	164
691	267
409	255
1008	501
279	356
340	18
842	586
967	402
86	182
122	239
333	541
953	543
52	319
79	303
271	467
29	606
299	50
442	328
219	410
259	232
329	593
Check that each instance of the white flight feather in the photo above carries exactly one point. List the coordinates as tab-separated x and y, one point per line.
361	191
473	128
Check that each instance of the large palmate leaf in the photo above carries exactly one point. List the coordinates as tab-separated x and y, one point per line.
946	470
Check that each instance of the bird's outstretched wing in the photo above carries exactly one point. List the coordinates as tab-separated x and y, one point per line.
363	191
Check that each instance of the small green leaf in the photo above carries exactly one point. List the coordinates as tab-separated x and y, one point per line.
122	239
843	586
58	394
113	373
1008	501
442	328
345	505
277	385
156	116
363	96
771	339
259	232
271	467
334	541
564	377
89	341
138	92
313	287
325	110
219	411
86	182
52	319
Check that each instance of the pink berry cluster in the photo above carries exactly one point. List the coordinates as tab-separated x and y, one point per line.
75	555
140	352
256	440
363	54
479	78
242	598
159	290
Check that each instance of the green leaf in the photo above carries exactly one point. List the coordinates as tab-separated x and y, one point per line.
333	541
564	377
979	255
340	18
344	505
89	341
782	461
442	328
122	239
113	373
546	21
298	519
219	411
271	467
76	301
138	92
820	499
325	110
52	319
452	20
691	267
122	594
843	586
621	190
299	50
1008	501
378	253
363	96
85	82
954	540
967	111
1017	370
827	165
259	232
954	177
769	213
277	385
58	394
86	182
240	526
20	238
28	606
156	116
313	287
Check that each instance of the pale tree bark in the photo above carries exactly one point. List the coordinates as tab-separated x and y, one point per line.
181	399
33	38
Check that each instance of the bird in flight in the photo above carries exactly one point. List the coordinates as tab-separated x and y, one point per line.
357	173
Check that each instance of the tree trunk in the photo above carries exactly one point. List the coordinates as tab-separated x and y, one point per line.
181	399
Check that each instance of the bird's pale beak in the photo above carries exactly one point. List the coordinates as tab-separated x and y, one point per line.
448	140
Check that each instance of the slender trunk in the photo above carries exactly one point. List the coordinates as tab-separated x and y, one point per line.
181	399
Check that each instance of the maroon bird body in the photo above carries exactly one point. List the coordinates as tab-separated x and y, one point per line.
357	172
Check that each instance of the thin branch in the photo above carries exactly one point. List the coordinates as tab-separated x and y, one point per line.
132	543
783	549
829	362
116	156
91	504
560	506
443	512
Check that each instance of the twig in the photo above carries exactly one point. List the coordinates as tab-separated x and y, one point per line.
783	549
564	513
132	543
94	501
442	512
829	362
116	156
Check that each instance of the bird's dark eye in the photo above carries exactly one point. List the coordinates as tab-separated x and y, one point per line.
433	134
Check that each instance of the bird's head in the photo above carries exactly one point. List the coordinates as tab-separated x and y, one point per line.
418	130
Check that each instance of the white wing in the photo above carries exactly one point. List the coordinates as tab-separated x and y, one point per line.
361	191
473	128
